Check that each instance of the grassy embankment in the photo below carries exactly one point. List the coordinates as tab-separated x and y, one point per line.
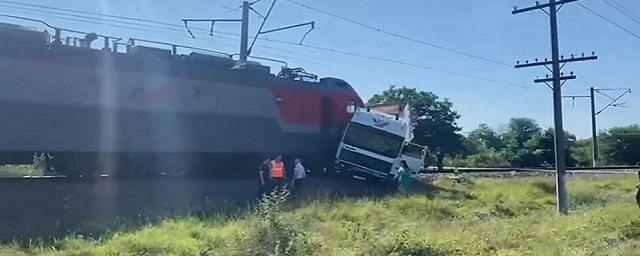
7	171
480	217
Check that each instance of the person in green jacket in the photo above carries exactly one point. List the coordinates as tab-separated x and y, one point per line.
403	177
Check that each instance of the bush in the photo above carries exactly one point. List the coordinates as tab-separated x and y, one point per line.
631	230
272	235
545	186
484	158
405	244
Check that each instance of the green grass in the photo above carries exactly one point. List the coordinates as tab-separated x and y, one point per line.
469	217
7	171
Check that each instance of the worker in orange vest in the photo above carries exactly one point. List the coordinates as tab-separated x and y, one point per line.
277	173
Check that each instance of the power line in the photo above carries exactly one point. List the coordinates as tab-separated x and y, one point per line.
400	62
82	17
621	10
404	37
100	22
90	13
93	20
504	2
90	21
625	9
162	27
610	21
264	21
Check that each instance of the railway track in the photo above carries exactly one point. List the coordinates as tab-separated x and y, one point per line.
574	170
527	172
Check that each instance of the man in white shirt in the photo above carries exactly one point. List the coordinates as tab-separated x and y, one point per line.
299	174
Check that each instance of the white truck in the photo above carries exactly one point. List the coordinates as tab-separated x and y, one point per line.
375	142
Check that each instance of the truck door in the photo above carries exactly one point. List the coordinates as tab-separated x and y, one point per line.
412	153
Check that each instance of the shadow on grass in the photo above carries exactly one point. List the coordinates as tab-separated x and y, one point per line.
56	210
450	187
211	209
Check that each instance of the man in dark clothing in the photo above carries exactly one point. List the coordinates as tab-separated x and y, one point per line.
439	158
263	175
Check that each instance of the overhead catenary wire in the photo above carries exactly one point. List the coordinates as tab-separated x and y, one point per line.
146	30
609	20
621	10
99	22
93	20
401	62
401	36
90	13
625	9
264	21
504	2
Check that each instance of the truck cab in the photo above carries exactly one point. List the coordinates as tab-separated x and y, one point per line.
375	142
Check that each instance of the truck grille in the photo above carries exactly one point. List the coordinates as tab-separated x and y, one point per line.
365	161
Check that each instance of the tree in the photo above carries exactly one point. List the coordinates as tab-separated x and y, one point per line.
519	131
621	145
487	158
583	151
435	118
523	144
542	148
526	145
483	137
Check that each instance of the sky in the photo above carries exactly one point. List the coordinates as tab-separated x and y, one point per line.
483	28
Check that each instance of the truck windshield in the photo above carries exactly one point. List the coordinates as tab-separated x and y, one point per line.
413	150
374	140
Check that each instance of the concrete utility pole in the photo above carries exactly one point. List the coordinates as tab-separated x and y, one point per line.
561	187
594	129
244	33
558	80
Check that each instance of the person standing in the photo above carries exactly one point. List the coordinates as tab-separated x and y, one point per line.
277	173
403	177
439	158
43	162
263	175
425	157
299	174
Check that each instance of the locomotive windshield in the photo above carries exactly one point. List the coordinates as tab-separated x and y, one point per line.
374	140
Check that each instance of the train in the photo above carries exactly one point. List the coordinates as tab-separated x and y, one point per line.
146	107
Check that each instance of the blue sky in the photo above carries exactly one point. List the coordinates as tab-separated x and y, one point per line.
480	27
